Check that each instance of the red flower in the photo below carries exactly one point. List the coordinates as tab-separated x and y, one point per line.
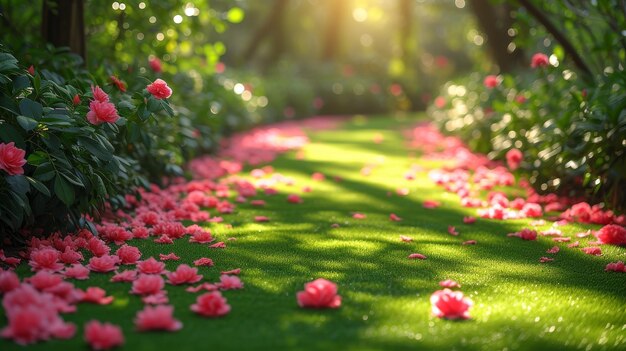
211	304
76	100
31	70
514	158
611	267
103	336
159	89
229	282
155	65
118	83
611	234
8	281
12	159
203	262
99	94
101	112
539	60
319	293
128	254
103	264
147	284
97	295
592	250
184	275
151	266
45	259
491	81
450	304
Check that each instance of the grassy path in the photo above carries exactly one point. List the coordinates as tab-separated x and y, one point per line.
520	304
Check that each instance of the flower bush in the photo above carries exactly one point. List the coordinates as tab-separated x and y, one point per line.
66	145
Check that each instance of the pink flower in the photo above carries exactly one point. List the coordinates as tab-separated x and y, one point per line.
419	256
218	245
101	112
103	336
98	247
160	298
261	219
319	293
545	259
147	284
31	70
531	210
469	242
45	259
155	65
513	158
539	60
99	94
8	281
525	234
430	204
230	282
118	83
394	218
294	199
77	271
204	261
44	280
593	250
169	257
491	81
12	159
159	89
76	100
128	254
97	295
448	283
201	236
164	239
611	234
103	264
184	275
450	304
318	176
211	304
125	276
611	267
151	266
157	318
70	256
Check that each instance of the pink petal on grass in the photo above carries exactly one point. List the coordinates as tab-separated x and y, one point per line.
406	239
616	267
469	242
260	219
203	262
430	204
414	256
593	250
235	271
449	283
164	239
219	245
334	225
574	244
257	203
469	220
169	257
394	218
358	215
553	249
452	230
546	259
562	239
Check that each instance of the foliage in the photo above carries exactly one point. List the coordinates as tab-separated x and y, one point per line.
73	166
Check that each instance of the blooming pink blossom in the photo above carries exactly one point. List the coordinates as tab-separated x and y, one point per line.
491	81
101	112
45	259
147	284
201	236
450	304
103	264
160	298
157	318
611	234
8	281
70	256
539	60
159	89
230	282
204	261
318	176
294	199
128	254
77	271
103	336
164	239
43	280
320	293
96	295
531	210
97	247
151	266
258	203
419	256
514	158
99	94
211	304
184	275
525	234
12	159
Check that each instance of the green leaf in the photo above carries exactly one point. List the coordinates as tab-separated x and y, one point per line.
44	172
96	148
20	83
72	179
64	191
26	123
235	15
39	186
154	105
36	158
9	133
18	184
30	108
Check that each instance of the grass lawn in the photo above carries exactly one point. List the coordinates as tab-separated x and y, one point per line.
519	303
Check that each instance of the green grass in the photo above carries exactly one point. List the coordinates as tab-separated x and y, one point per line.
520	304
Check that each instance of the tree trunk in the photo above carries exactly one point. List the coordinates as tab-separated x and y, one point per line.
495	26
63	24
272	25
332	36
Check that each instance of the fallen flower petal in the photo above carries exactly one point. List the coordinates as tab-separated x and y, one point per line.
414	256
204	261
406	239
448	283
103	336
545	259
211	304
552	250
218	245
593	250
450	304
235	271
320	293
157	318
